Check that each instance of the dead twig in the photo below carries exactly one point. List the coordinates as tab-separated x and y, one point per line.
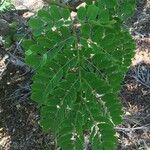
13	60
142	75
145	127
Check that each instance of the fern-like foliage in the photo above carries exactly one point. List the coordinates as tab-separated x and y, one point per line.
80	65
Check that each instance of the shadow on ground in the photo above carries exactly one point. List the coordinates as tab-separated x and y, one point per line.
19	128
134	132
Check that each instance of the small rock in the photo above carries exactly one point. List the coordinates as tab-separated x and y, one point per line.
33	5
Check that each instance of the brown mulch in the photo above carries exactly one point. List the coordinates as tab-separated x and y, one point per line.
134	132
19	128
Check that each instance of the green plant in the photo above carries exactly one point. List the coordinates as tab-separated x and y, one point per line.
80	65
5	5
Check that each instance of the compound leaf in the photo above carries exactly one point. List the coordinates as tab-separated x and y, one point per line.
79	72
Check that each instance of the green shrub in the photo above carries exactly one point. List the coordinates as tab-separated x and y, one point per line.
5	5
79	71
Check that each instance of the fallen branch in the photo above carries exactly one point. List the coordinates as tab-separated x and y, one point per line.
145	127
13	60
142	75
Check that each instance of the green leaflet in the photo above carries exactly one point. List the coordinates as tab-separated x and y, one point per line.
96	142
108	136
104	15
65	13
55	12
108	4
44	15
79	73
92	12
81	13
27	43
36	23
126	9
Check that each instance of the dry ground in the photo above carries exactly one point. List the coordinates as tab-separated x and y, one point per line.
19	116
